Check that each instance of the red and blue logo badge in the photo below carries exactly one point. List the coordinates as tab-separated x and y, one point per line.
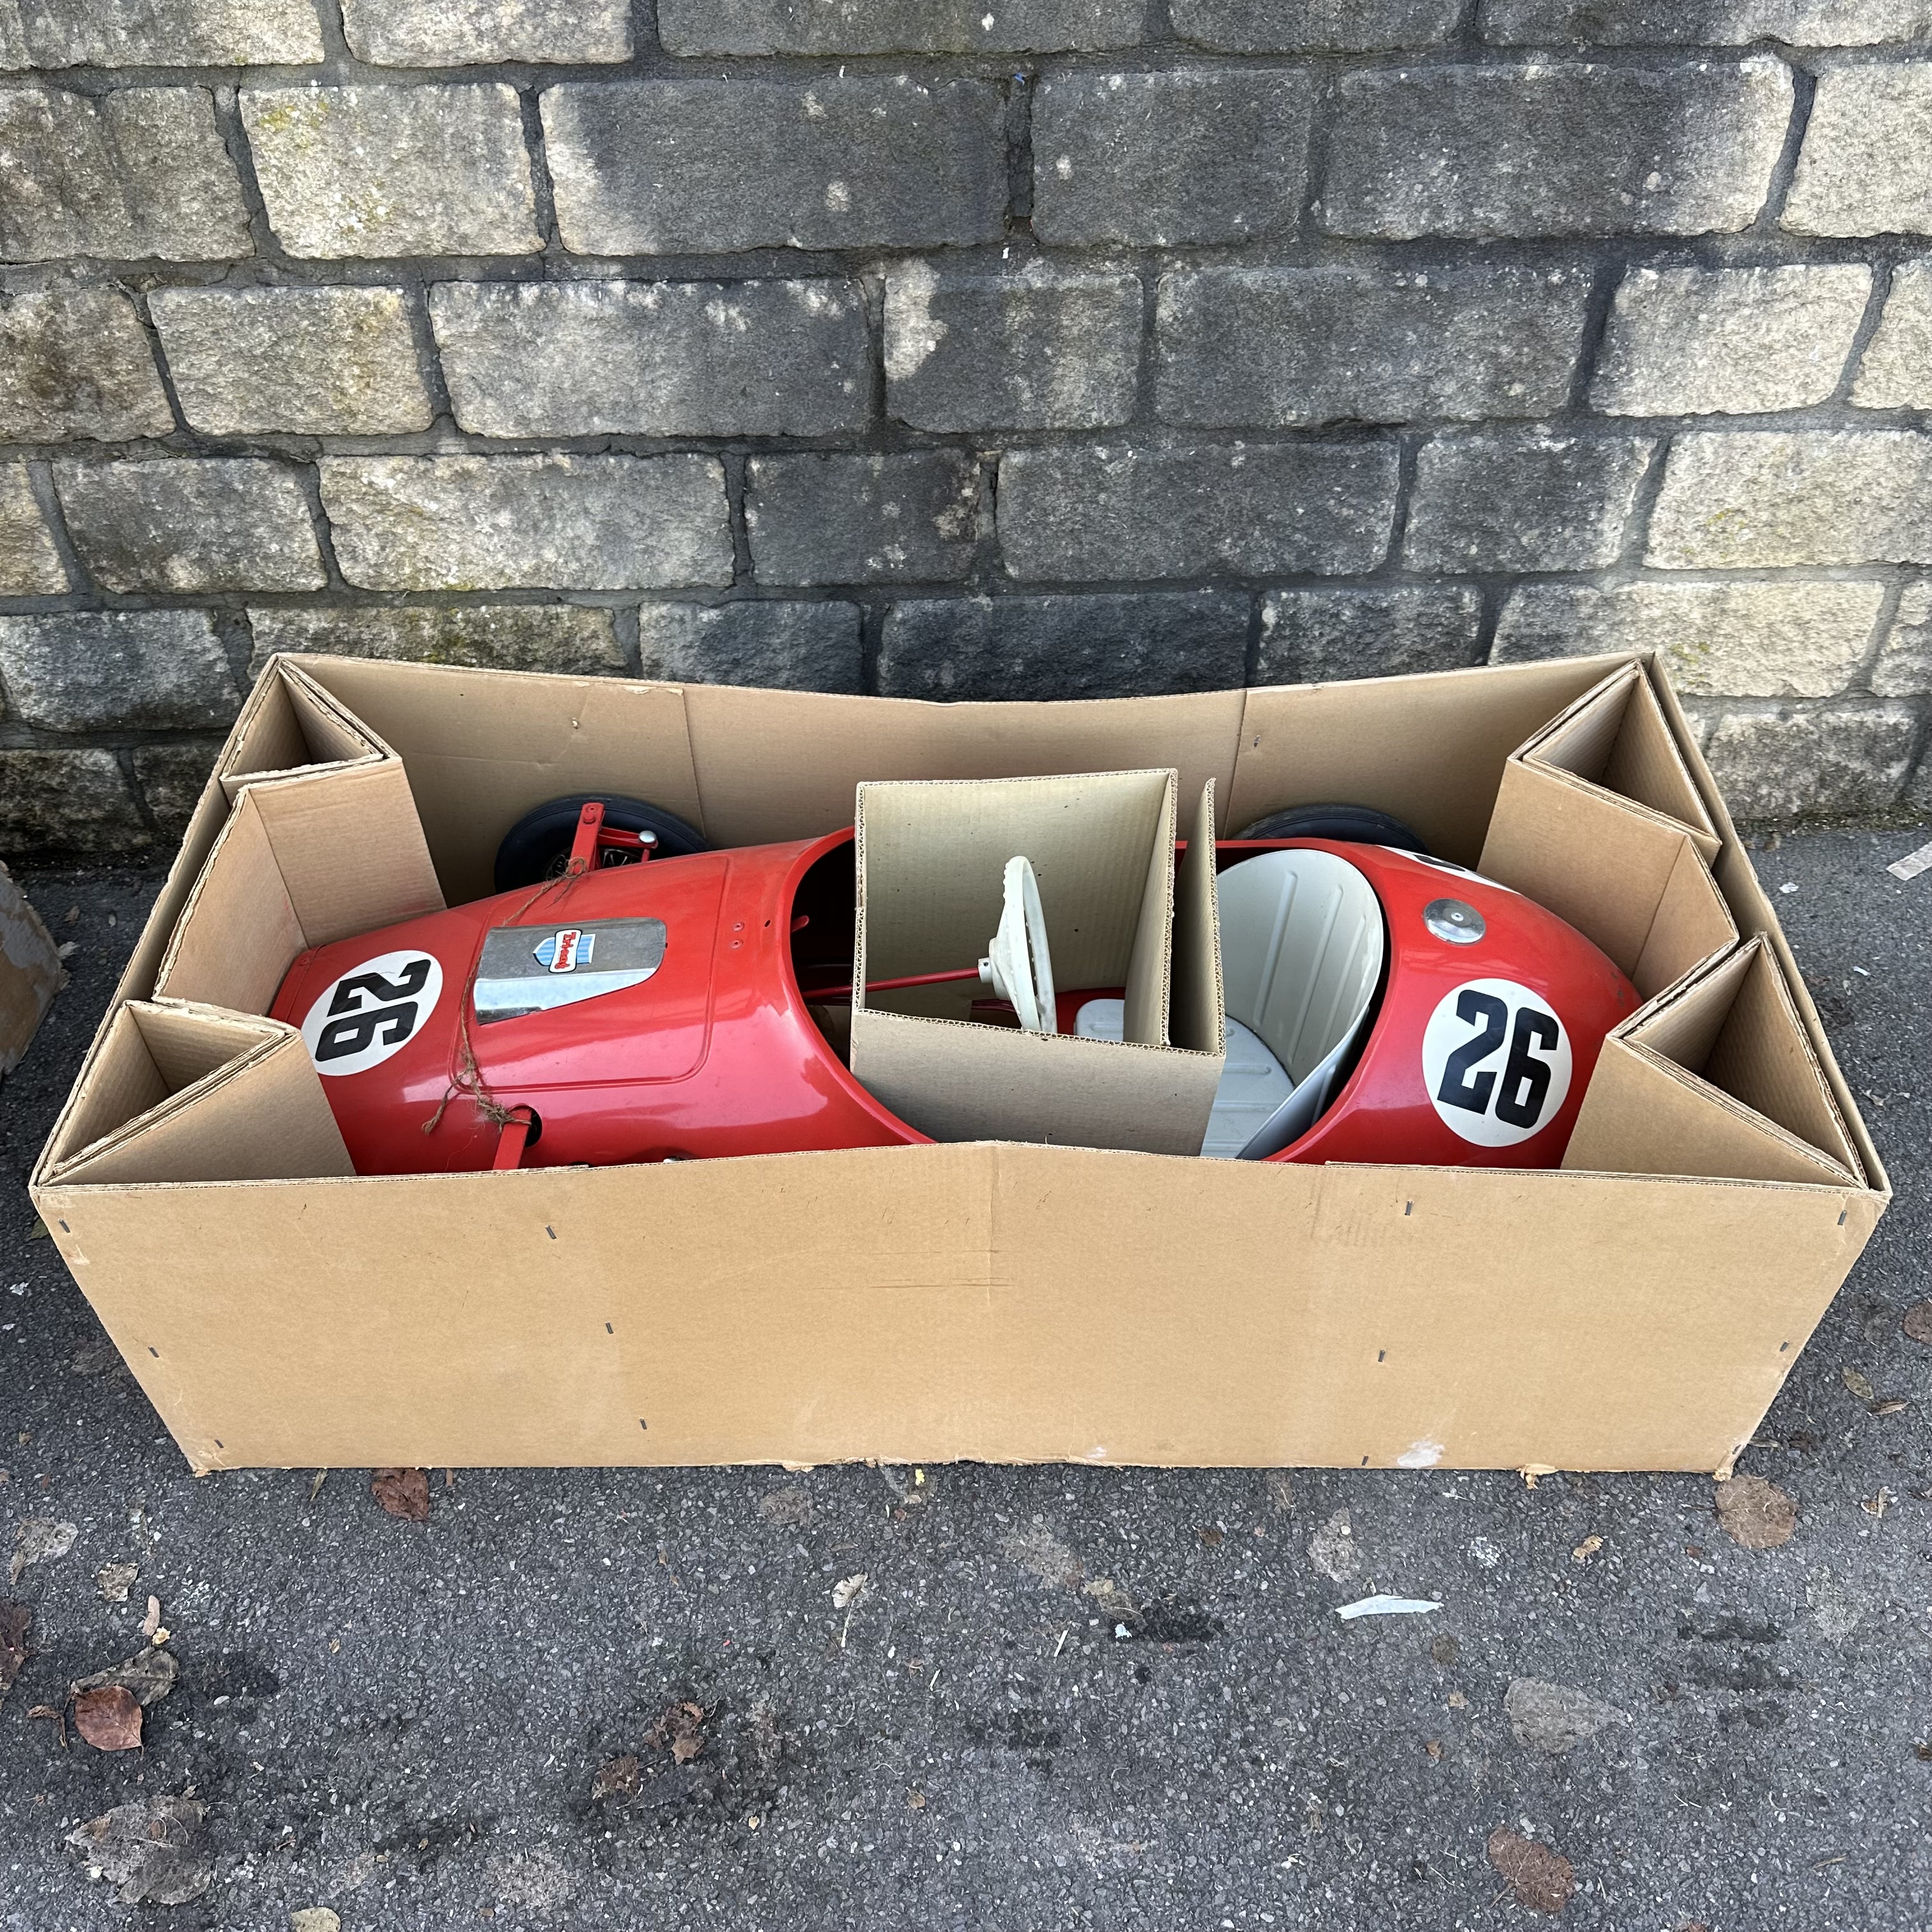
564	951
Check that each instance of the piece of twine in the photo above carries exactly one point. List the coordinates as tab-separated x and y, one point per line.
466	1080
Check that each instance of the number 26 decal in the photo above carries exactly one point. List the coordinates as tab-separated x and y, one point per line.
363	1017
1496	1062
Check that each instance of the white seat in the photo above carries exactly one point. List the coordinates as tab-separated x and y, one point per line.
1302	941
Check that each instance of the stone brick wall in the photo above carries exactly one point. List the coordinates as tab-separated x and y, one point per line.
1013	348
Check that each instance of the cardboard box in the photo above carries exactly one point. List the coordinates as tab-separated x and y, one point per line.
985	1300
31	973
932	858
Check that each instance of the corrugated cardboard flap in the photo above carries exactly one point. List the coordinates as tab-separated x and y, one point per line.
1632	882
302	861
1715	1077
290	723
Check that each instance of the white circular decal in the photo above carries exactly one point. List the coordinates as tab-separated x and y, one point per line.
1496	1062
366	1015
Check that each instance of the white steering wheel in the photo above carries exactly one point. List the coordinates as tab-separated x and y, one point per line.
1019	967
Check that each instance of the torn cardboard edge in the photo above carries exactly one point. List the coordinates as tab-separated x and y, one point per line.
31	973
184	1093
930	856
1616	739
1715	1077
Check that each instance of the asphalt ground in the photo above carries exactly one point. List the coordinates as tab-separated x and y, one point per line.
1063	1697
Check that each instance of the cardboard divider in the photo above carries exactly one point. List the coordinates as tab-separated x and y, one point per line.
290	723
302	860
1616	739
1715	1077
931	858
481	747
180	1093
1628	880
1198	1011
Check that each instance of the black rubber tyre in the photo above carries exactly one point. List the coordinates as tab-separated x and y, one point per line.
1361	823
537	847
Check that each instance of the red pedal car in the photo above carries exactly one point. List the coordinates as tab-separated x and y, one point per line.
629	995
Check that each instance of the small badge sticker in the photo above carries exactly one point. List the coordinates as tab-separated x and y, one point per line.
564	951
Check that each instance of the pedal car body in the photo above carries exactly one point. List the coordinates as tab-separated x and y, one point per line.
639	1012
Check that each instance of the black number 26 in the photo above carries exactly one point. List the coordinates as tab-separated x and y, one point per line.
366	1002
1525	1078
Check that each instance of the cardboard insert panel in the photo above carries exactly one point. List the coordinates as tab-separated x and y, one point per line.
1618	740
290	723
303	860
1716	1077
931	859
180	1093
1631	882
1001	1301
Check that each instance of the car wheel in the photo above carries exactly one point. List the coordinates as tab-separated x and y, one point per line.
537	847
1360	824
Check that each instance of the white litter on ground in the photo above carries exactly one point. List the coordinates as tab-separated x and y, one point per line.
1913	864
1388	1607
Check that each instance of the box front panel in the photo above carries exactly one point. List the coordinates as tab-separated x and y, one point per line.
990	1302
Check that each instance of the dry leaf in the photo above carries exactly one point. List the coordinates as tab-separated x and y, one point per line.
1890	1406
109	1719
1917	1322
1860	1385
1587	1549
151	1622
1756	1513
38	1540
1433	1746
154	1849
1542	1879
848	1590
682	1728
618	1778
315	1488
1212	1536
916	1800
58	1717
14	1620
148	1675
403	1493
789	1507
1457	1702
114	1580
1111	1598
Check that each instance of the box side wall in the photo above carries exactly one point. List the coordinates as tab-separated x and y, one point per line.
1429	748
997	1303
1754	912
